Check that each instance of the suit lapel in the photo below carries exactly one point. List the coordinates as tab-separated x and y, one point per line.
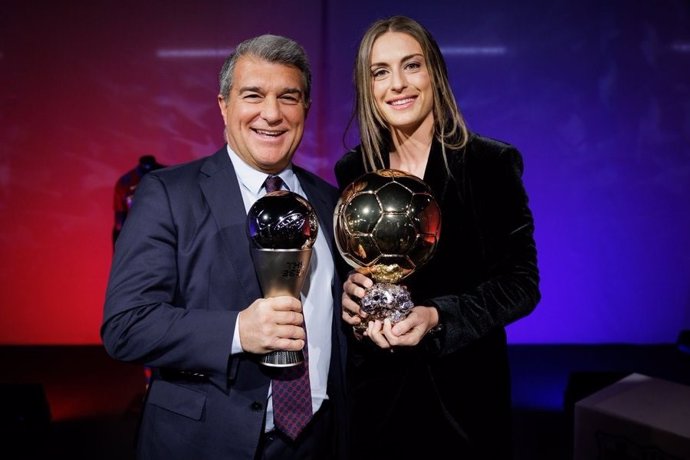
319	200
221	189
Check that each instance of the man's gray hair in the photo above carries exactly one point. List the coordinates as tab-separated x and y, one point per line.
271	48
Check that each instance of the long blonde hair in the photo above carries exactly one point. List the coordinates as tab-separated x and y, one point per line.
450	128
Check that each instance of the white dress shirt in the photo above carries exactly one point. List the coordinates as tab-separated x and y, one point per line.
317	297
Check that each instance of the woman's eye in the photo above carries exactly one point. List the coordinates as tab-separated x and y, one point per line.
378	73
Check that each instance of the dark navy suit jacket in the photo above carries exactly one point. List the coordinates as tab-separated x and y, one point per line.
181	273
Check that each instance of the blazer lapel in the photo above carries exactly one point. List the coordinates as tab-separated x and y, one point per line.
222	192
323	207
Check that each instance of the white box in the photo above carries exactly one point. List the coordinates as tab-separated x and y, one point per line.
636	418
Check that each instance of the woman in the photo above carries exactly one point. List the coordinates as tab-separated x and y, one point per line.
437	384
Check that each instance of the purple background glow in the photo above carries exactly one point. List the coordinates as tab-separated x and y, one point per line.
596	95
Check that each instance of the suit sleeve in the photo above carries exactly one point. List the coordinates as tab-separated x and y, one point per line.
145	319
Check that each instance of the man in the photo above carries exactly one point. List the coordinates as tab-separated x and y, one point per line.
183	295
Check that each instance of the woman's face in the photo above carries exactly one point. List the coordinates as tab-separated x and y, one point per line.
401	84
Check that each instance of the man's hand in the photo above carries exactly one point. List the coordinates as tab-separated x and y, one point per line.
270	324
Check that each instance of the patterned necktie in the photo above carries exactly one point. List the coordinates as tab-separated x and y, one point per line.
291	391
292	398
273	183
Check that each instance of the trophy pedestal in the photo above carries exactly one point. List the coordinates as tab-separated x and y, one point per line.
281	272
387	300
282	358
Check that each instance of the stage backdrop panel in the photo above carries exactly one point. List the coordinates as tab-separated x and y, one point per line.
596	95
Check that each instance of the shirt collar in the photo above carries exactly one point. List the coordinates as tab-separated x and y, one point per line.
253	180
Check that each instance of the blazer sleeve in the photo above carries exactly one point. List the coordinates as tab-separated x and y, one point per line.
509	286
145	320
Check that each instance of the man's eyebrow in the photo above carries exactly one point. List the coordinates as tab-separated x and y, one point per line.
252	89
258	89
292	91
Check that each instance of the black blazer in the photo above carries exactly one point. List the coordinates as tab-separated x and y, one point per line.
482	277
181	272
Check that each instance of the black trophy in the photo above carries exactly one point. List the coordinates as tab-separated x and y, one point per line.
282	227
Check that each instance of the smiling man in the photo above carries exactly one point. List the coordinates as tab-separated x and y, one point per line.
183	296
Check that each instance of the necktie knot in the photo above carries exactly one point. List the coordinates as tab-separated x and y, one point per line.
273	183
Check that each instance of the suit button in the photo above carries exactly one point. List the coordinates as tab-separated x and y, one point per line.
257	406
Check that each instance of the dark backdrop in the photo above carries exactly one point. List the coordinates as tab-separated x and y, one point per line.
595	94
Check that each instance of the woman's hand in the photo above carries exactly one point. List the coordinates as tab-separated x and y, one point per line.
353	291
406	333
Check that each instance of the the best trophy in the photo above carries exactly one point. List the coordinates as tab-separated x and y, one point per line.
282	227
387	224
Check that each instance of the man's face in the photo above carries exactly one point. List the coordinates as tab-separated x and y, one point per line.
264	114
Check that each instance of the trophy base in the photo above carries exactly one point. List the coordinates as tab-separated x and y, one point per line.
387	300
282	358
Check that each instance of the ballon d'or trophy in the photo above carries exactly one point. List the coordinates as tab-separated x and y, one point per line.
387	224
282	227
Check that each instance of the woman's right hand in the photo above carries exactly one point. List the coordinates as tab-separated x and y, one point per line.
353	291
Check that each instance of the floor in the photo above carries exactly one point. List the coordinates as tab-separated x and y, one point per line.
75	402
